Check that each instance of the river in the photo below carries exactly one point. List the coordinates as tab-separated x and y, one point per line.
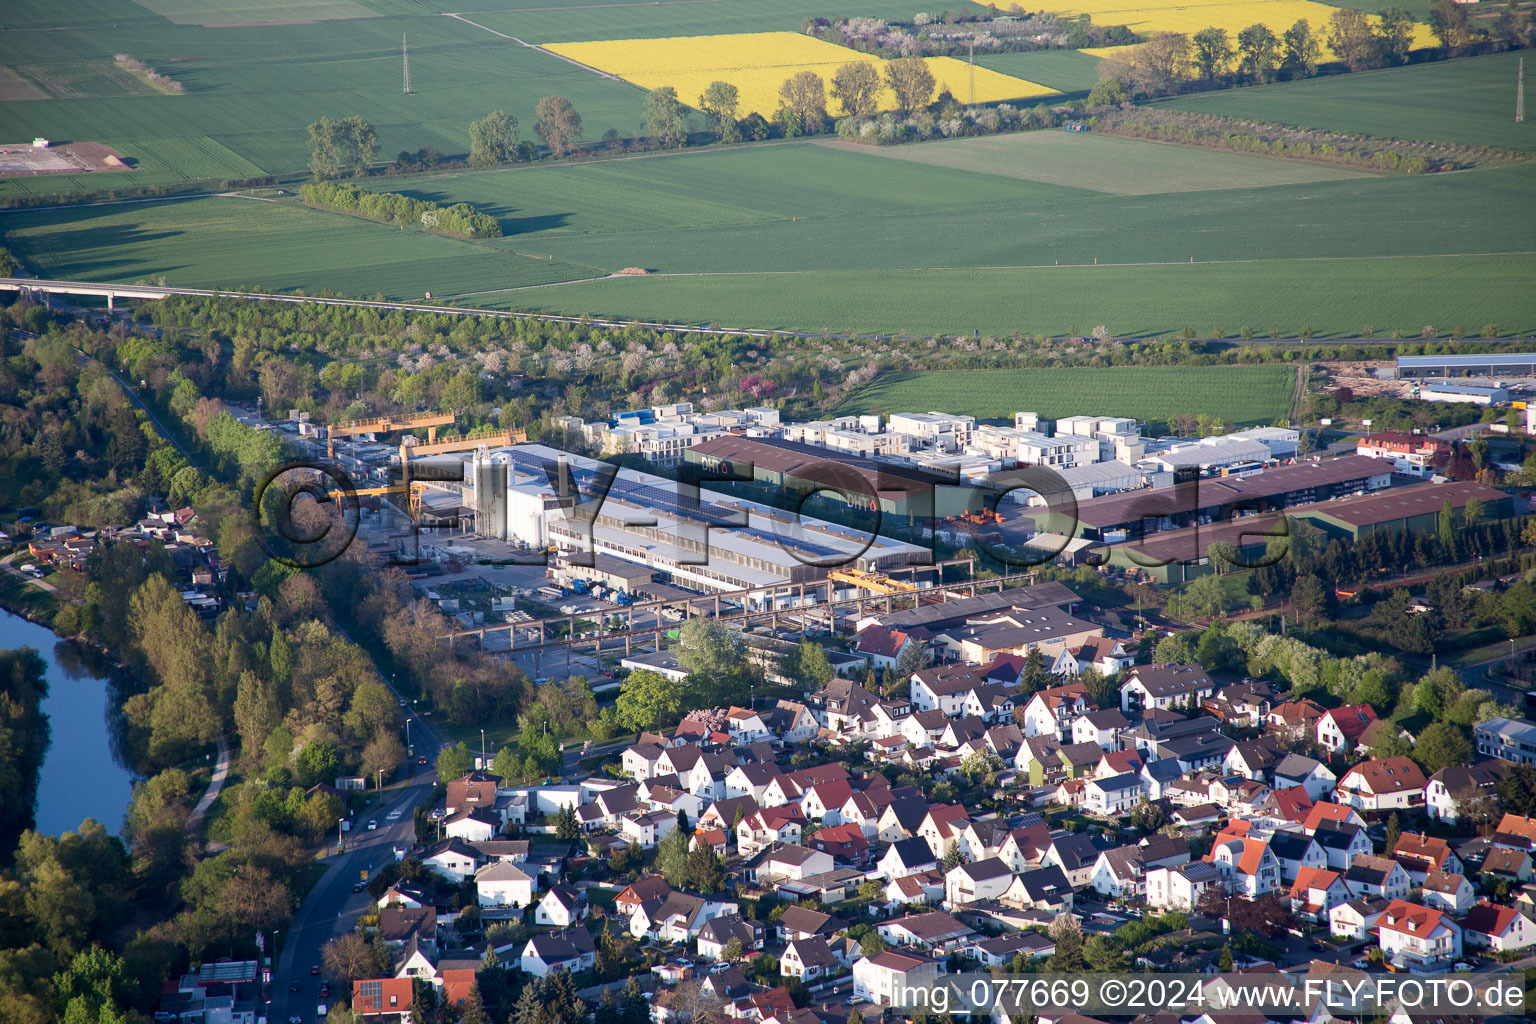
83	774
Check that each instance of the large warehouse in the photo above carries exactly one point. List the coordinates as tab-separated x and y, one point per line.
1174	556
904	493
705	541
1116	516
1483	364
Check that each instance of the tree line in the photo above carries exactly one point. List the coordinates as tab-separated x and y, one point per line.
1170	61
460	220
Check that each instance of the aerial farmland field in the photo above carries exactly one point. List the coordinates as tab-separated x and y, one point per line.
1469	101
758	63
1239	395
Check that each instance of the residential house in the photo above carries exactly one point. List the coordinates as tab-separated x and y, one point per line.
1506	865
934	931
399	926
920	889
1420	854
454	859
767	827
1446	891
944	687
375	997
807	959
1044	889
1508	739
1180	887
1515	832
749	780
1324	813
561	907
1496	928
1001	951
1247	865
1315	892
1356	919
648	829
473	825
1452	791
1342	844
1370	875
943	826
1295	718
1075	854
846	843
717	933
1417	936
881	646
638	893
504	884
1310	774
1296	852
1395	783
802	922
882	979
679	917
475	791
1164	686
1051	711
1101	654
789	862
1252	759
1120	873
907	857
978	880
839	704
1101	727
1113	796
571	950
1341	728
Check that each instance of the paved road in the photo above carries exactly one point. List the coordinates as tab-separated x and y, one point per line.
215	785
332	908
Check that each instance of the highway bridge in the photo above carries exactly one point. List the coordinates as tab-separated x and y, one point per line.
113	292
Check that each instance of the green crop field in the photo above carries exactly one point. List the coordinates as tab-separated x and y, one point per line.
1239	395
228	242
1066	70
1104	163
1469	101
253	90
808	235
1334	297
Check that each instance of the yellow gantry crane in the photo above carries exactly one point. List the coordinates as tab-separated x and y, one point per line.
874	582
415	488
387	425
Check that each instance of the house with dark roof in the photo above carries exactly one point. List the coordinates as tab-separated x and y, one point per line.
1164	686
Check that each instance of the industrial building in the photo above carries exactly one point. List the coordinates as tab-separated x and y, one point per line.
541	497
1174	556
905	493
1483	364
1118	517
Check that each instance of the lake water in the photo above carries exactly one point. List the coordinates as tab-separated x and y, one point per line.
83	774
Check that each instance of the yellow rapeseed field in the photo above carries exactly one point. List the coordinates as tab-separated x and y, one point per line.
1190	16
757	64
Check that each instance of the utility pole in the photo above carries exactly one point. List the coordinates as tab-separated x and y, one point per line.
405	61
1520	92
973	69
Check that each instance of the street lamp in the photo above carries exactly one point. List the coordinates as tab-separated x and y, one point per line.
482	748
339	823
